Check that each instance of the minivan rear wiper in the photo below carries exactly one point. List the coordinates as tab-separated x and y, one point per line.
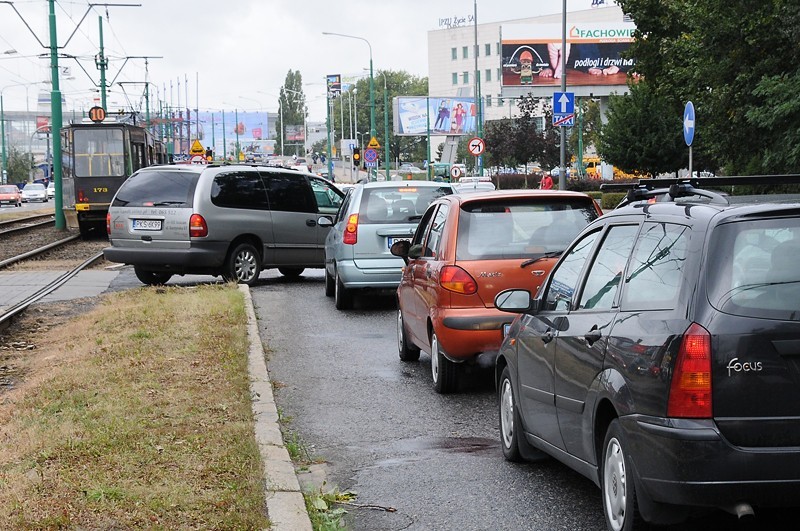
167	203
549	254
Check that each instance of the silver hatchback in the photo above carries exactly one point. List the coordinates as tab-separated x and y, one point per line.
373	216
232	221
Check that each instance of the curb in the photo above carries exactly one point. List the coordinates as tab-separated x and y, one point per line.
286	507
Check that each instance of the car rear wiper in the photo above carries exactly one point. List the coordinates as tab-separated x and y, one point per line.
167	203
549	254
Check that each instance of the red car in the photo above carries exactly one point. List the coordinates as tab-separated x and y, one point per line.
468	248
10	195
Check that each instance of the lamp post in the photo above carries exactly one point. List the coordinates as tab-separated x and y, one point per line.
371	80
385	126
3	176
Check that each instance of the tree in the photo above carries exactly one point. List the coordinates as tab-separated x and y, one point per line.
499	138
292	102
19	165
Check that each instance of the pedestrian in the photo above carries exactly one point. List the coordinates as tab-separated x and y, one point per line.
546	183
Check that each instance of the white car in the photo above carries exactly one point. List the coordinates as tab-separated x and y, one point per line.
34	192
51	190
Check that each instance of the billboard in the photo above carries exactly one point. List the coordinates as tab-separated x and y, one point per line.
418	115
295	133
531	54
248	125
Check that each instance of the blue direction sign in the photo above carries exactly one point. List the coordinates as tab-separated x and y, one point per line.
563	103
688	123
370	155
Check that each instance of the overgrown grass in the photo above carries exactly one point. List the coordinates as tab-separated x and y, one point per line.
143	421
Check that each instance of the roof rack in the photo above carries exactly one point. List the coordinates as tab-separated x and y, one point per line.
675	191
704	182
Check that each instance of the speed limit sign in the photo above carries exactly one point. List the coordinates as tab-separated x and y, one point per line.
476	146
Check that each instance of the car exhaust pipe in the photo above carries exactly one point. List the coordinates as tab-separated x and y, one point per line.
742	510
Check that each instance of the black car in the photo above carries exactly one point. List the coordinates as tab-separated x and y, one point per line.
661	358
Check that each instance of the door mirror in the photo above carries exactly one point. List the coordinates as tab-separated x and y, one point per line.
325	221
415	251
400	248
515	301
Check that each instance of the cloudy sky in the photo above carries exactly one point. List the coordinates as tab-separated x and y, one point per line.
234	53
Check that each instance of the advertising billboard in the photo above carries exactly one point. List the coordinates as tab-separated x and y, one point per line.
418	115
531	54
249	126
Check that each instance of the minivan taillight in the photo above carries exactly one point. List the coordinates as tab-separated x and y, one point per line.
453	278
197	226
350	236
108	223
690	391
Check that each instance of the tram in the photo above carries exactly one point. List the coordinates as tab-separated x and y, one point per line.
96	160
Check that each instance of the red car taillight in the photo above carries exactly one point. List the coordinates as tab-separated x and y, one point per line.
453	278
108	223
690	391
350	236
197	226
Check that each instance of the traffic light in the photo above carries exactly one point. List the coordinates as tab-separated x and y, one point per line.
356	156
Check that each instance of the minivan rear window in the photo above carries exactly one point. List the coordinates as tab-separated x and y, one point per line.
157	188
755	272
508	228
404	204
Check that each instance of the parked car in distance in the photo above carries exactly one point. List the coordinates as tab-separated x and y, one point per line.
232	221
10	195
34	192
374	215
660	358
467	248
51	190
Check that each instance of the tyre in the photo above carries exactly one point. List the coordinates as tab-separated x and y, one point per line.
442	369
291	272
330	285
620	505
151	278
244	265
408	351
342	296
510	424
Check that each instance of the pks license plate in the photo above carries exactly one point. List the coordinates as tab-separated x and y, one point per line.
147	224
393	240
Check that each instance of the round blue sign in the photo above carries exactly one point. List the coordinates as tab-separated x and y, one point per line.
688	123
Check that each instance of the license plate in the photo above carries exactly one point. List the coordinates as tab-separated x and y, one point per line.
506	328
392	241
147	224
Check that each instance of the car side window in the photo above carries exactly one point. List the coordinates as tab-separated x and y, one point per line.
239	189
328	198
435	235
605	273
656	270
289	192
564	279
424	226
345	206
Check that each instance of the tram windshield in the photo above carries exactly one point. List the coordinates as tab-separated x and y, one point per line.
99	152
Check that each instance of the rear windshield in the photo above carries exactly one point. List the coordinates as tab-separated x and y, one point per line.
8	189
158	188
34	186
520	227
404	204
755	268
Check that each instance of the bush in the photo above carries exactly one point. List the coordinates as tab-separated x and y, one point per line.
611	200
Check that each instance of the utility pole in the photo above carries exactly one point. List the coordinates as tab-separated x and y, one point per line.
102	64
562	171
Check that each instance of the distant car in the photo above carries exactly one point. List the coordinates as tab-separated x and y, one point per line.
467	248
474	186
373	216
51	190
10	195
407	166
34	192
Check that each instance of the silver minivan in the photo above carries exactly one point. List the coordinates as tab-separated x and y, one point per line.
373	216
232	221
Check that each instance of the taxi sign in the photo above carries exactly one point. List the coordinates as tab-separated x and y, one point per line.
197	148
373	143
97	114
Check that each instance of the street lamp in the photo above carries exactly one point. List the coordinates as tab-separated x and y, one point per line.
371	80
385	125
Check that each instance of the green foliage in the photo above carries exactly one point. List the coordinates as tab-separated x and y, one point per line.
292	102
323	511
611	200
19	165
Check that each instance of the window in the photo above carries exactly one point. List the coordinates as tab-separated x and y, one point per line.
465	78
328	200
99	152
159	186
465	52
488	74
565	279
499	76
603	280
656	270
242	189
453	53
498	48
455	78
488	50
488	101
289	192
500	100
435	235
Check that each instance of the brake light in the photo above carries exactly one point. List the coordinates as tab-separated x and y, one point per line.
350	236
197	226
82	197
690	390
108	223
453	278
